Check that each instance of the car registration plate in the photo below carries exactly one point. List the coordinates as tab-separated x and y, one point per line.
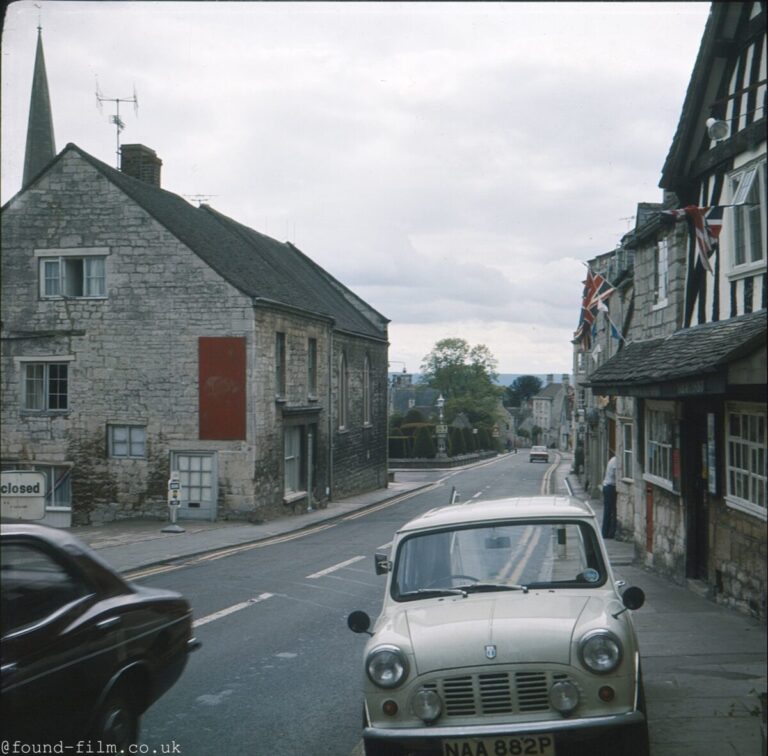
519	745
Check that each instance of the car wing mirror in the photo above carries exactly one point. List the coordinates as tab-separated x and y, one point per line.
383	565
633	598
359	622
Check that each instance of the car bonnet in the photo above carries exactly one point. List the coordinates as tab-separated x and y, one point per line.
509	628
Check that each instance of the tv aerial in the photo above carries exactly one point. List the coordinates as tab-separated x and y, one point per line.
115	119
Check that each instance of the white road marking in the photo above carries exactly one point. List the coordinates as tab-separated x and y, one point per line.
231	609
335	567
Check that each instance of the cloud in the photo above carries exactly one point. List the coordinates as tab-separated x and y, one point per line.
453	163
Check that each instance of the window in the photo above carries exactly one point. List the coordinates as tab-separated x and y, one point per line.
312	367
660	447
292	477
127	441
749	235
35	586
627	456
65	276
58	482
746	458
343	397
661	272
367	391
46	386
280	364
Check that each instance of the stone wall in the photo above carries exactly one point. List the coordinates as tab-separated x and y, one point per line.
739	560
133	360
360	449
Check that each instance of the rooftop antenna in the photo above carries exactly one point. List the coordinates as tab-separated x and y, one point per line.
201	199
119	123
629	220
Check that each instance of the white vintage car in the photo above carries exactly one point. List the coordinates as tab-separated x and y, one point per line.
503	632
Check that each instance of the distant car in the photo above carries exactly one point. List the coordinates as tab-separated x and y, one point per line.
539	452
84	653
502	632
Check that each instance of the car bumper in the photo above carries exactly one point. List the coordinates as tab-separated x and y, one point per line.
430	737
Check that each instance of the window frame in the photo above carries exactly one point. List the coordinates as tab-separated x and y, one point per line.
661	473
312	367
367	391
46	386
661	274
343	393
130	428
280	364
744	217
755	449
627	450
293	443
60	267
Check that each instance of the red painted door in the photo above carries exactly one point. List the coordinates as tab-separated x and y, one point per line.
222	388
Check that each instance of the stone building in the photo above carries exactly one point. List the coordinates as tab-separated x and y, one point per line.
694	364
550	411
143	335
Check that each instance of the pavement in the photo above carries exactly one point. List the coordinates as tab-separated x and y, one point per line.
704	665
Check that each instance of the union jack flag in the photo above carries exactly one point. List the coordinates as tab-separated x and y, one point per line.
707	222
596	292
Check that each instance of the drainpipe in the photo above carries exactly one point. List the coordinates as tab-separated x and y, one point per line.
331	436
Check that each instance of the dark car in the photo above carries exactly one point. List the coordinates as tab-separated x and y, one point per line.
84	653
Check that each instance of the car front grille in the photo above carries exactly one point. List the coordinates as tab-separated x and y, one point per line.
495	693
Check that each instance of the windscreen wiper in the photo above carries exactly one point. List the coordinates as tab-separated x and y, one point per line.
486	587
432	592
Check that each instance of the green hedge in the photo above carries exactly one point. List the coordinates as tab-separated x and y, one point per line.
400	447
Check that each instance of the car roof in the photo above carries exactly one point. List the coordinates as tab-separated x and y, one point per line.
63	540
517	508
538	447
56	536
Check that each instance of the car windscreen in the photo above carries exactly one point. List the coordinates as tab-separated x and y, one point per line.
500	556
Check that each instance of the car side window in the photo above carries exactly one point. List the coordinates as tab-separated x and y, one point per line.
34	586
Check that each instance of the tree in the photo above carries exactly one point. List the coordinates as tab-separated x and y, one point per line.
457	442
465	377
522	389
424	446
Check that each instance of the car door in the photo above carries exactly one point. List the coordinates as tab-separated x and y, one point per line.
55	663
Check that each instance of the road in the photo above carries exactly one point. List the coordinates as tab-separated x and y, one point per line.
279	673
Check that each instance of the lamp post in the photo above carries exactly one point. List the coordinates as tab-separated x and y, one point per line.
442	430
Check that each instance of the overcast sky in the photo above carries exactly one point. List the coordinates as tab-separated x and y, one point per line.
452	163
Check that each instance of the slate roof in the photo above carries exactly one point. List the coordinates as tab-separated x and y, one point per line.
550	391
259	266
687	353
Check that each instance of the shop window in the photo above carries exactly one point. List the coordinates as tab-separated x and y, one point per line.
746	443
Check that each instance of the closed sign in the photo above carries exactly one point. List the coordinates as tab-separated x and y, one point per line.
23	495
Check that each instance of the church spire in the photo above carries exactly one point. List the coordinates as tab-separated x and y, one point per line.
40	145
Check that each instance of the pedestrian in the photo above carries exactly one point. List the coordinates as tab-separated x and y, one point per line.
609	498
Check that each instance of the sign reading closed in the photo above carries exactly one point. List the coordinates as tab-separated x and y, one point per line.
23	495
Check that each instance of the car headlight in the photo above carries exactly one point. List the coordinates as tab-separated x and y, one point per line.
564	696
386	666
427	705
600	651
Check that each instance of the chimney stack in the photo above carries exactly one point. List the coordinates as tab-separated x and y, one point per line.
140	162
550	378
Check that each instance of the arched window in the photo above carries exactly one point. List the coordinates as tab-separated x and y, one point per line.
343	409
367	390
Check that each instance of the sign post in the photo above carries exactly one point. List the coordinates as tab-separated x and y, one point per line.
23	495
174	502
